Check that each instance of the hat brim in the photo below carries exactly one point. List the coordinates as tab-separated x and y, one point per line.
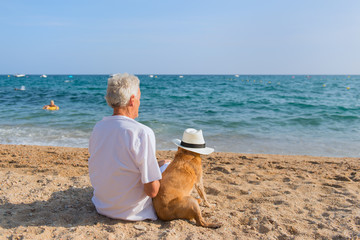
204	151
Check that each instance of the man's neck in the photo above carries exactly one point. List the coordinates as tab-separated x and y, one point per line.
123	111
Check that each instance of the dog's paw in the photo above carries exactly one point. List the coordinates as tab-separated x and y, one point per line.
210	205
214	225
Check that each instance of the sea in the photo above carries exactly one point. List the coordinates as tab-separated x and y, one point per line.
316	115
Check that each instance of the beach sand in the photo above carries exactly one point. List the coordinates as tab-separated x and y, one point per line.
45	193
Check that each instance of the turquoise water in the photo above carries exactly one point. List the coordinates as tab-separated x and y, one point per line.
307	115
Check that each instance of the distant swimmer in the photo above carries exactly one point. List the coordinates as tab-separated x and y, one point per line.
20	89
51	106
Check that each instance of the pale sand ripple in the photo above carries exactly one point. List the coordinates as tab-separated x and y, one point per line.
45	193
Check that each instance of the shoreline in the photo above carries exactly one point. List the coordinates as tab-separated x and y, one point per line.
46	193
173	150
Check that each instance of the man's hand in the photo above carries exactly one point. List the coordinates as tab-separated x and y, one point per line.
162	162
152	188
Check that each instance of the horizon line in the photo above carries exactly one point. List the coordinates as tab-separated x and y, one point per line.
187	74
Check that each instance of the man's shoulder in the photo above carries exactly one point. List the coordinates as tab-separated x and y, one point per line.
126	123
142	128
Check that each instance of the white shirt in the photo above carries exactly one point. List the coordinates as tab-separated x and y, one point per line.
122	159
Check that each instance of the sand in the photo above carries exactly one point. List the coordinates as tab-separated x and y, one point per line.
45	193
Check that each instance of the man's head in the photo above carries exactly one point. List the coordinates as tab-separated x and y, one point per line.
52	102
120	89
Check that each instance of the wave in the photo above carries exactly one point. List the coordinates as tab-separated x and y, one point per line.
337	117
303	121
45	136
303	105
231	104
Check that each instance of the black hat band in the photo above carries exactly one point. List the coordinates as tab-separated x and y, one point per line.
191	145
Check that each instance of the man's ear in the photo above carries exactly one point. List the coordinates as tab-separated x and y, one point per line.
131	101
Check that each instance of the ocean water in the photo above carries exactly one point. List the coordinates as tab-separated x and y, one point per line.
275	114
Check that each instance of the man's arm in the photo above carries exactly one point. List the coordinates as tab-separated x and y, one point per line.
152	188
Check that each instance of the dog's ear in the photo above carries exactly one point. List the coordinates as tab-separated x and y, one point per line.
181	149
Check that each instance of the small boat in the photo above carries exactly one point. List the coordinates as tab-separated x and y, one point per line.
181	76
237	75
151	76
19	75
43	76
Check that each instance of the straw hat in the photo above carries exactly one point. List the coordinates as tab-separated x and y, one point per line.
193	141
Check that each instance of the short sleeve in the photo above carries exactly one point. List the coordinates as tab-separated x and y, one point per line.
145	156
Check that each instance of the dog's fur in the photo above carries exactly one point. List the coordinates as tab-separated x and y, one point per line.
173	200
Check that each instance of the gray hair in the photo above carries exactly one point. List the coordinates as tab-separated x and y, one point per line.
120	88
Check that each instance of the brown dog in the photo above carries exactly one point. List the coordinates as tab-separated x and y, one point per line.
173	200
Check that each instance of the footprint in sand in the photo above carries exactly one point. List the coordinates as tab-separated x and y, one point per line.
342	178
279	202
332	185
286	179
325	214
230	197
314	162
225	169
351	201
354	177
357	220
212	191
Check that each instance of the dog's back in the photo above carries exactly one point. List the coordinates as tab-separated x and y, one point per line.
173	200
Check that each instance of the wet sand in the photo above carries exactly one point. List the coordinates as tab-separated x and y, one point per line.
45	193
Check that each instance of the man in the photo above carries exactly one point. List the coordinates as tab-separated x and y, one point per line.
122	166
51	106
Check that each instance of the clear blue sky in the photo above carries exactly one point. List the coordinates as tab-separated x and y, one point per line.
180	37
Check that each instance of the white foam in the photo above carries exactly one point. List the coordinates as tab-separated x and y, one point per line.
43	136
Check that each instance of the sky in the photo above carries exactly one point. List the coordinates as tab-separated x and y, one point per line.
180	37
